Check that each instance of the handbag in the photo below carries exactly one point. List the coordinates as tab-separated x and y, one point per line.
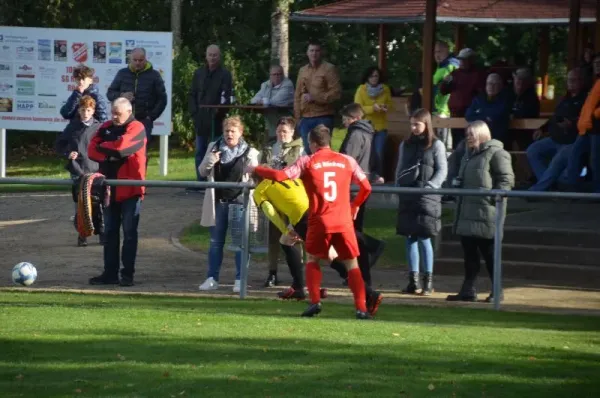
409	176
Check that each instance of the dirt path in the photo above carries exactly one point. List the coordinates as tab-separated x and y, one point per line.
36	228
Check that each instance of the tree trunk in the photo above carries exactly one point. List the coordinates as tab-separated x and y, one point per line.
176	24
280	39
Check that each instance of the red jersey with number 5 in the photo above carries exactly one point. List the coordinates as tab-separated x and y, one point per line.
327	176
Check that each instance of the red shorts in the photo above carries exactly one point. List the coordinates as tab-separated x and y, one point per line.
318	243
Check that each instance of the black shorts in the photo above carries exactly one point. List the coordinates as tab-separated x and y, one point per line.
301	226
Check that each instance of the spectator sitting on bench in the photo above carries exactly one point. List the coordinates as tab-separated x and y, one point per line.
493	108
561	132
525	105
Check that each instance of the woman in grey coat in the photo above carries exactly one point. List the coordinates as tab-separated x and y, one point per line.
421	164
484	165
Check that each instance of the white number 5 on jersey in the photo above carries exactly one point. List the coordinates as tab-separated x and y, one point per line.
330	186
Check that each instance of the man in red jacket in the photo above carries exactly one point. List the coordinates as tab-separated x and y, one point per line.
119	147
463	85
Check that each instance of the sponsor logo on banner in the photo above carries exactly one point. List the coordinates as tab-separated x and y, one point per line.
1	38
47	107
25	106
26	53
6	104
60	50
80	52
6	87
129	43
26	87
25	71
44	50
5	52
115	52
99	52
6	70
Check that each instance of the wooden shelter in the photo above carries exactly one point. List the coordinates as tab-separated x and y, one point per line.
582	16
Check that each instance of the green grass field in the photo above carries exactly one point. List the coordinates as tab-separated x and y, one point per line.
67	345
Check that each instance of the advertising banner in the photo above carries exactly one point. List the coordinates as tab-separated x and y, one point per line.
36	67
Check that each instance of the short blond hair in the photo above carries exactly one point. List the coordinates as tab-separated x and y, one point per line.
480	130
233	121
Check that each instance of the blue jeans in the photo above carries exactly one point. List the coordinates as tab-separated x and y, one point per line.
417	248
201	147
308	123
218	233
539	153
378	151
584	146
126	214
556	171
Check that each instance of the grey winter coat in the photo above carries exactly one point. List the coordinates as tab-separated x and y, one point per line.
488	167
357	143
420	215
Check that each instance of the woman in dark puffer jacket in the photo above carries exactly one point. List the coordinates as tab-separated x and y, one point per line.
422	164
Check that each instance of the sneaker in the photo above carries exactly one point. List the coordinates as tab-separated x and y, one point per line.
271	280
237	286
312	310
363	315
126	281
291	293
103	280
209	284
490	298
81	241
373	302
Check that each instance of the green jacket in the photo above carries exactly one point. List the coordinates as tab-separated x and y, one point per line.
440	101
289	153
489	167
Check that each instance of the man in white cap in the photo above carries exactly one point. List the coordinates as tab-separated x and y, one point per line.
463	84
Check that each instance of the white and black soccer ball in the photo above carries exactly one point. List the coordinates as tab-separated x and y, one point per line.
24	274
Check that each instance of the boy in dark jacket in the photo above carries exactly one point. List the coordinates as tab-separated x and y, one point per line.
73	144
84	78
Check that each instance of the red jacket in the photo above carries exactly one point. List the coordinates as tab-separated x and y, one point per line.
464	87
121	153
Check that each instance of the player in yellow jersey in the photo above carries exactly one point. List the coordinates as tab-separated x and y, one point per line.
286	205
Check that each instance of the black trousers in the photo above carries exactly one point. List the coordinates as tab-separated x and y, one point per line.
474	249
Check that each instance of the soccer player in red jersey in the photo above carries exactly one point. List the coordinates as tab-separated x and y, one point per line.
327	176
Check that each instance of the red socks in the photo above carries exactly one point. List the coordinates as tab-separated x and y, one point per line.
313	281
357	285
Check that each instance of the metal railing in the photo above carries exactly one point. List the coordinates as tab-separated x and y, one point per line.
498	195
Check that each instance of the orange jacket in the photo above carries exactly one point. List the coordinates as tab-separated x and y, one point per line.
590	110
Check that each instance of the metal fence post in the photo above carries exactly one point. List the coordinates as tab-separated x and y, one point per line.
3	153
245	243
497	286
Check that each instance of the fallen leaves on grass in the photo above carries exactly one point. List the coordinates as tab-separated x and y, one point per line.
431	387
19	377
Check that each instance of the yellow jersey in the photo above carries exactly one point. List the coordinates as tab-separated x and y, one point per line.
287	197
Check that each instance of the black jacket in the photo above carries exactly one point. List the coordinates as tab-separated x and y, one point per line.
207	88
76	137
148	88
526	105
357	143
568	108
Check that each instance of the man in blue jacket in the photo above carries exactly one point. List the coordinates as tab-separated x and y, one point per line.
493	108
84	78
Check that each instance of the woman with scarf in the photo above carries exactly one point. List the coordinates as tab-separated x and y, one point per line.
421	164
226	160
376	100
280	152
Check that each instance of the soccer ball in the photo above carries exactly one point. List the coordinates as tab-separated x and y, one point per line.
24	274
